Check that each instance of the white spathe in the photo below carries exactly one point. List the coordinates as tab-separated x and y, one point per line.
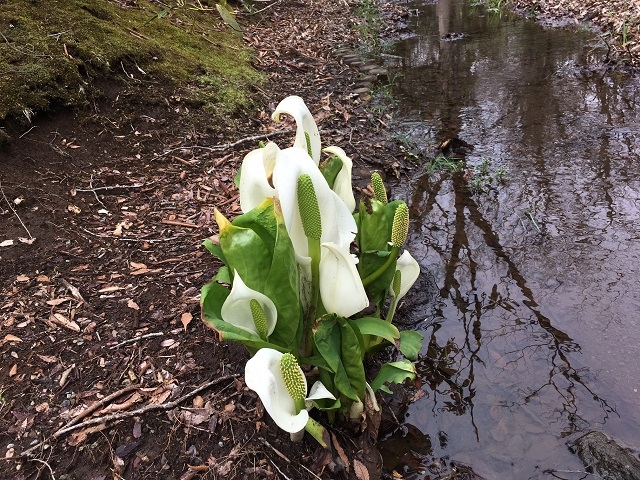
341	287
236	309
257	168
338	225
295	106
342	186
409	271
262	375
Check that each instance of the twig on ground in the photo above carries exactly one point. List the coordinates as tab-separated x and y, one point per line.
69	427
177	223
128	239
135	339
265	8
111	187
14	212
101	403
46	465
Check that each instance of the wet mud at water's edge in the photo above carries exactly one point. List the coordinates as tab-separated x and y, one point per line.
531	247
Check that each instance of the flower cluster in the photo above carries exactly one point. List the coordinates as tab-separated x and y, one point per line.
303	267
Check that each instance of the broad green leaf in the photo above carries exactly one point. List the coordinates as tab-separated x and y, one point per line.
369	263
330	169
214	249
344	384
395	372
374	232
223	276
228	17
327	341
282	286
257	246
212	296
410	344
377	327
352	357
231	333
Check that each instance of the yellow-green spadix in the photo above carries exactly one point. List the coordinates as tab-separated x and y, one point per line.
237	309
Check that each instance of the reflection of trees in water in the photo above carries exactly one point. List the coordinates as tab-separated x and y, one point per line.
448	368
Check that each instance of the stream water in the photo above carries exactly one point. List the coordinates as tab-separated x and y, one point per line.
530	294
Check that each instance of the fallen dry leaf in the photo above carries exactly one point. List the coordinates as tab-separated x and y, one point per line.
13	370
63	321
11	338
48	358
57	301
132	304
360	470
110	289
136	265
186	318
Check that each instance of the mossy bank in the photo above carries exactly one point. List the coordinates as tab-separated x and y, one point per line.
55	53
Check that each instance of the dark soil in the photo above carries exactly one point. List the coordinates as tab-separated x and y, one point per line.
107	370
102	345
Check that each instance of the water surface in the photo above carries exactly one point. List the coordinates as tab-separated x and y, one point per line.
535	319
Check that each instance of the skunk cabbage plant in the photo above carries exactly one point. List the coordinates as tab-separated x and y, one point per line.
309	286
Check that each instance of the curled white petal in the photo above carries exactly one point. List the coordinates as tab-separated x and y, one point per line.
342	186
409	271
262	375
338	225
296	107
257	167
236	309
319	391
341	288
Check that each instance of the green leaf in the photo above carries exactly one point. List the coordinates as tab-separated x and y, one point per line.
257	246
375	224
231	333
282	287
228	17
330	169
214	249
223	276
378	327
352	355
212	296
394	372
327	341
374	234
410	344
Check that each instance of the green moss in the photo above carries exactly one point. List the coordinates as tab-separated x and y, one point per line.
53	49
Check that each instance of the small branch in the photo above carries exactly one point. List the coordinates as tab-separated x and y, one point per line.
135	339
177	223
99	404
123	415
127	239
112	187
14	212
46	465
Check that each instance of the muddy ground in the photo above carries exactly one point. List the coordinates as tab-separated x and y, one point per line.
107	371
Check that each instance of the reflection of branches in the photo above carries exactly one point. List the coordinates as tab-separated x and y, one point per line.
449	368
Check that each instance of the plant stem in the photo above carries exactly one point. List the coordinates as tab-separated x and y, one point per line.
393	255
310	318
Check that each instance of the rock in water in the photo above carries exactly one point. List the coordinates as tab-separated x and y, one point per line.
607	458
